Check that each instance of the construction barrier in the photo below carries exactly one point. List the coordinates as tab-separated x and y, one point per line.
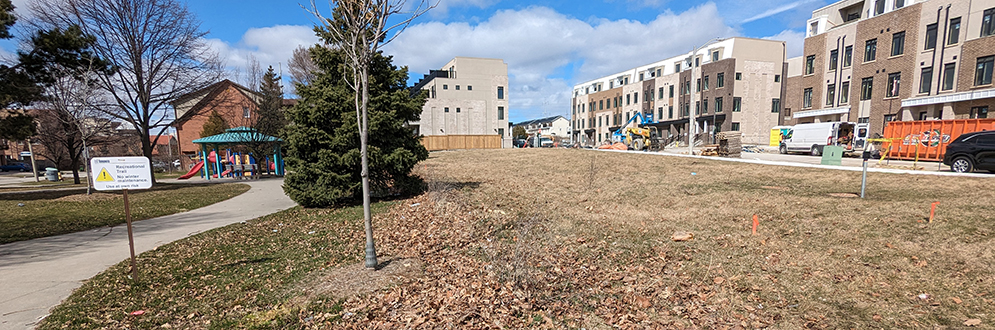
452	142
928	139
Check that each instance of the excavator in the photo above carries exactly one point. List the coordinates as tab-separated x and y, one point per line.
639	138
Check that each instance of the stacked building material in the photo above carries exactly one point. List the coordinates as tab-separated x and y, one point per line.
730	144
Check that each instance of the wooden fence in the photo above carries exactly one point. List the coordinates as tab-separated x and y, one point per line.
450	142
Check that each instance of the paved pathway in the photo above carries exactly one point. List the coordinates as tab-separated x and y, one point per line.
37	275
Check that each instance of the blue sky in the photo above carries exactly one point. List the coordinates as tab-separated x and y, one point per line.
549	45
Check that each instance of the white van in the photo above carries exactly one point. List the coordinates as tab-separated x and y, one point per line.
812	138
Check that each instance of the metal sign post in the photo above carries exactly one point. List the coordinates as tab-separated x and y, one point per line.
122	173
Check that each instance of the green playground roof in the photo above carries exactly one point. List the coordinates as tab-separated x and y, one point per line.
237	135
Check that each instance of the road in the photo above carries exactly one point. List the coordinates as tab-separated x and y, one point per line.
37	275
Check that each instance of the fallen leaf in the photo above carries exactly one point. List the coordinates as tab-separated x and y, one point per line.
681	236
956	300
972	322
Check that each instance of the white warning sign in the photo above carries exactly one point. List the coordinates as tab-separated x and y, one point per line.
118	173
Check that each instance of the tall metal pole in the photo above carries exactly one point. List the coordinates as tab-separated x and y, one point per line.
34	168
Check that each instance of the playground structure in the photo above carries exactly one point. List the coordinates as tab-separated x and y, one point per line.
235	164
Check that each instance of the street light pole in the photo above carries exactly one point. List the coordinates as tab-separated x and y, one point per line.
694	87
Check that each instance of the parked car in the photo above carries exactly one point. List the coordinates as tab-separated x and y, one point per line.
520	143
971	151
813	137
20	167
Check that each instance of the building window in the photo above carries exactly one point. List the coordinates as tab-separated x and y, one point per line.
640	77
926	80
670	112
979	112
863	120
870	50
834	56
720	80
878	7
500	92
830	94
697	62
697	108
898	43
715	56
735	127
447	110
949	73
866	88
894	83
635	97
706	83
737	104
775	105
810	64
501	131
698	83
628	99
847	56
704	106
718	105
954	36
889	118
983	75
445	87
469	88
923	116
601	105
677	67
457	87
246	113
457	110
777	78
899	4
807	98
987	26
659	93
739	76
671	91
930	36
687	87
500	113
659	113
845	92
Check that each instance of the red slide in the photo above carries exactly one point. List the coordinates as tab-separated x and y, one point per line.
196	168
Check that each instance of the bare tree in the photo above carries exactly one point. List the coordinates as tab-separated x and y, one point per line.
156	46
70	117
359	29
302	68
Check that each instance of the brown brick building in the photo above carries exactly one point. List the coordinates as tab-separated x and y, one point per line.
876	61
236	104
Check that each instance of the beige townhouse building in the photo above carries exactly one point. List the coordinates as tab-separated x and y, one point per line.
876	61
467	97
732	84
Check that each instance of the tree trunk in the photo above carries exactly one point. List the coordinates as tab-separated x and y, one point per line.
371	251
74	163
147	152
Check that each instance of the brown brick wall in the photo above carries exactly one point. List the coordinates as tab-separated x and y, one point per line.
229	105
970	52
711	70
882	28
792	98
813	46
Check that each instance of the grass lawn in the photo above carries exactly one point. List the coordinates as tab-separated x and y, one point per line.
59	212
547	238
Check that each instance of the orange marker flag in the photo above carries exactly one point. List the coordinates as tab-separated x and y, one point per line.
756	222
932	211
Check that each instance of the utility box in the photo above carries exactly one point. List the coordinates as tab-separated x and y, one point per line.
832	155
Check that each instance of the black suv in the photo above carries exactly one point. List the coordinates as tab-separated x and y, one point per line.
971	151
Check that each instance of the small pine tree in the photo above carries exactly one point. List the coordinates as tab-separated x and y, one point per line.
323	156
215	125
270	117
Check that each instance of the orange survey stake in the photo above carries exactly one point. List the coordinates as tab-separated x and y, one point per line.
932	211
756	222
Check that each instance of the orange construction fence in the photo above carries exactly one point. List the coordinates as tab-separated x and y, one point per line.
928	139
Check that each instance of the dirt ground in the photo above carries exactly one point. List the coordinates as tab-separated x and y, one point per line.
546	238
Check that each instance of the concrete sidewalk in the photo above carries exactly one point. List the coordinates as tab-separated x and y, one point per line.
37	275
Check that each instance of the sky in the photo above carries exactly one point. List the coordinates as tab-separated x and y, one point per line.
549	45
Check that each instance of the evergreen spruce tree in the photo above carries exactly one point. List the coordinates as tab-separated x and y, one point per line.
270	117
323	155
215	125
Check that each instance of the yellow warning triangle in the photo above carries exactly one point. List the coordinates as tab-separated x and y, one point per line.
104	176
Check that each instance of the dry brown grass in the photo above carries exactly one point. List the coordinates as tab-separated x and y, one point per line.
818	260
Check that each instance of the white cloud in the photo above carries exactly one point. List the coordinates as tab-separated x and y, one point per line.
269	45
777	10
795	41
442	8
538	43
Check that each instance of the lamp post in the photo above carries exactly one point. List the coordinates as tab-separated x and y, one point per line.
694	87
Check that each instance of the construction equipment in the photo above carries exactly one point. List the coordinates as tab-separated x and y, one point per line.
639	138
